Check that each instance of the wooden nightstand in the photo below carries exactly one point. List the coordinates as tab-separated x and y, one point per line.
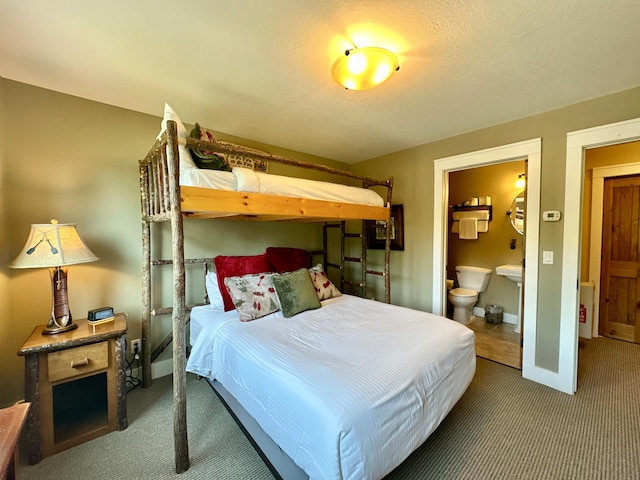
76	384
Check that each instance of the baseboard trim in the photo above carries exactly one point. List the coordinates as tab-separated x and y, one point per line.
158	369
162	368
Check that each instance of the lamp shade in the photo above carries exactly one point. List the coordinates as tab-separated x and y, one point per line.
53	245
364	68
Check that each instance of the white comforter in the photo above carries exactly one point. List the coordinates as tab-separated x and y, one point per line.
349	390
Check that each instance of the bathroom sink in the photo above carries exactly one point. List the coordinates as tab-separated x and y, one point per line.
512	272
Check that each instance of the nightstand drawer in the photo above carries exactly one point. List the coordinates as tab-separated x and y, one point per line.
78	361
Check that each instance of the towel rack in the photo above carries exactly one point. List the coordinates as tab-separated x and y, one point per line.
483	214
469	208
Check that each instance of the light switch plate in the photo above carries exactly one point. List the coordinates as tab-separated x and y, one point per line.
547	257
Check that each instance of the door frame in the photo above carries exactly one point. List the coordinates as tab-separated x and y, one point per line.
600	174
531	151
577	143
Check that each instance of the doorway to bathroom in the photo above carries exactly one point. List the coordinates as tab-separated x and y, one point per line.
498	241
531	151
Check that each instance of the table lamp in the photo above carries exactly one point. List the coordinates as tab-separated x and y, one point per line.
53	246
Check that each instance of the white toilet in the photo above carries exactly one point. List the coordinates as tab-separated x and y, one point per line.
471	281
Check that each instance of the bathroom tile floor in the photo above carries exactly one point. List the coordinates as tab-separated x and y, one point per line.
497	342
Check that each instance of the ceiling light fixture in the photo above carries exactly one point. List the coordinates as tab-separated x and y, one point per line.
364	68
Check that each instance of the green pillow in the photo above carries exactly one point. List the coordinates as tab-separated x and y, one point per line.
295	292
208	160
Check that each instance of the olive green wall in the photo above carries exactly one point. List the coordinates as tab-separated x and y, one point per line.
6	326
413	169
76	160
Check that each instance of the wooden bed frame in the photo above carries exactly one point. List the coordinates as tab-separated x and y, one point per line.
164	200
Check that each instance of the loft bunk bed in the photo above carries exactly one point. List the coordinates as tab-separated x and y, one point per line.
164	199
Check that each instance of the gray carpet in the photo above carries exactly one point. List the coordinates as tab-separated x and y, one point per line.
504	427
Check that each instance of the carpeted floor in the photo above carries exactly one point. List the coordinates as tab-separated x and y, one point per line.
504	427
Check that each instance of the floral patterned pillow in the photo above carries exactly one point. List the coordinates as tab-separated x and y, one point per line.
324	287
237	266
253	295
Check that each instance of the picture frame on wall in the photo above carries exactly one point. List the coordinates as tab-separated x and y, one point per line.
376	230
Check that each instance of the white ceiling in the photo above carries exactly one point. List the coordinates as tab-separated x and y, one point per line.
260	69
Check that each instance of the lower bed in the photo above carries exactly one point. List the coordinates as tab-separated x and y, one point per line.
346	391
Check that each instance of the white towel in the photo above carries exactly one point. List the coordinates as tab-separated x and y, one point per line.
468	229
477	214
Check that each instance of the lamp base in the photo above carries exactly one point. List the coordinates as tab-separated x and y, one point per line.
54	329
60	320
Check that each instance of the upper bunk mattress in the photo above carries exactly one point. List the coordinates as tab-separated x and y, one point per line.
246	180
348	390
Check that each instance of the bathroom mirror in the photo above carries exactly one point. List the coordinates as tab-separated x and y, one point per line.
517	213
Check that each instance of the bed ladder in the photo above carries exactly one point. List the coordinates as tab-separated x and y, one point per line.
362	260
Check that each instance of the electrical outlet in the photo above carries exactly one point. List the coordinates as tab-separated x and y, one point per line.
136	344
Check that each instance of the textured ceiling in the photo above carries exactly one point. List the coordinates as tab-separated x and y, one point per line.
261	69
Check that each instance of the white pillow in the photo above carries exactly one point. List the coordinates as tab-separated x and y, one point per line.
213	290
246	180
185	156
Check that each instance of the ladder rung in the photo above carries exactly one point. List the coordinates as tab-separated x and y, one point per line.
375	272
355	284
334	265
353	235
352	259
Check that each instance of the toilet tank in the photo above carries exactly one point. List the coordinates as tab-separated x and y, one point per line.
474	278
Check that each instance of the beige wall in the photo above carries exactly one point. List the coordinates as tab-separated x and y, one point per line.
77	161
493	247
413	170
594	158
6	325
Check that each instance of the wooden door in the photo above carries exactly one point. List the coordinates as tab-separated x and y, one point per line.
620	269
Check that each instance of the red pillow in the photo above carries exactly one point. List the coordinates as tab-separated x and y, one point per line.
235	267
286	259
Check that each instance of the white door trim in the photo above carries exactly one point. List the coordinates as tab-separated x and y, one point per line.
577	143
530	150
595	244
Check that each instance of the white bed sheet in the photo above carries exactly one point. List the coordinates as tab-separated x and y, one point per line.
246	180
202	316
345	390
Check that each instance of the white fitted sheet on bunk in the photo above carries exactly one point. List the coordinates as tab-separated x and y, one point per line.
246	180
349	390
